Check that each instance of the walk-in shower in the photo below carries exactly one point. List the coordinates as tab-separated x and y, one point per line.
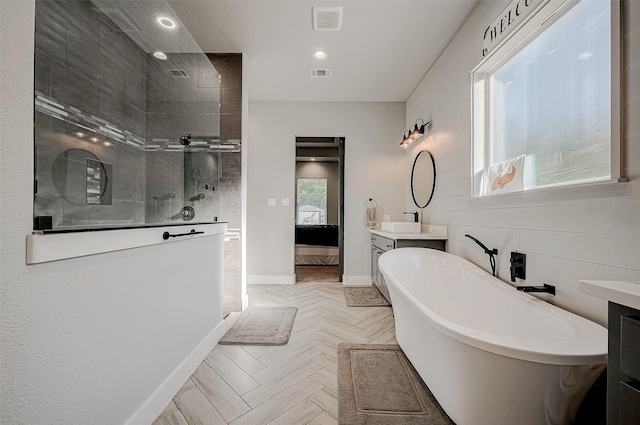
125	136
134	125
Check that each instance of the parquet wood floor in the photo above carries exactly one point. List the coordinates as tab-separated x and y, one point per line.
294	384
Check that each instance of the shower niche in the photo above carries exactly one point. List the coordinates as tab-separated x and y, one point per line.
123	138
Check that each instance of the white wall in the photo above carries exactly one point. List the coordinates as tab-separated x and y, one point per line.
372	170
87	340
567	234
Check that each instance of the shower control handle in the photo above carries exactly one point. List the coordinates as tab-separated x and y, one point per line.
167	235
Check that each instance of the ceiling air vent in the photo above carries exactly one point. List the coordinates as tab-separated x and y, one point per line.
327	18
320	73
177	73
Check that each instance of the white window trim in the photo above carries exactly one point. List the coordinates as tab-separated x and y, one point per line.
538	21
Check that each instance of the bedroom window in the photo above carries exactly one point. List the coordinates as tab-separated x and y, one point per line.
311	195
545	102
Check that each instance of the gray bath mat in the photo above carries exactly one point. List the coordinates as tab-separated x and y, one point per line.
261	326
364	296
378	386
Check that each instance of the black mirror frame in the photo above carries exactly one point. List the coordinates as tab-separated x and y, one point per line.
88	155
433	187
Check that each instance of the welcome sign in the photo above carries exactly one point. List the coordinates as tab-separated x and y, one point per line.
508	19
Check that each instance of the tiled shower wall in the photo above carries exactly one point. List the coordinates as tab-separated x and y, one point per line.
176	106
83	60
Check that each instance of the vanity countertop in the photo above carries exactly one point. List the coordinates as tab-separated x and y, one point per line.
620	292
429	232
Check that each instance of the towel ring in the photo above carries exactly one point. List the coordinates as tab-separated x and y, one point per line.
371	203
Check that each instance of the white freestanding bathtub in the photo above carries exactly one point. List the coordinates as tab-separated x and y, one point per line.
490	354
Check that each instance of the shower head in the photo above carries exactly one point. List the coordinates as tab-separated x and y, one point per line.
185	140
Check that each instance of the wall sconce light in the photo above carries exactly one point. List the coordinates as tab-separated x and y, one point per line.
414	133
406	140
418	131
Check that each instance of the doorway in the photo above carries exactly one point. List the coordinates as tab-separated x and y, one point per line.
319	221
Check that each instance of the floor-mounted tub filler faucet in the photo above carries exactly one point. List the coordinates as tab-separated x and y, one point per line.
415	215
489	252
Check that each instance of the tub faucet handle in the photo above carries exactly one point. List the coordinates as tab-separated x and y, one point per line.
415	215
518	266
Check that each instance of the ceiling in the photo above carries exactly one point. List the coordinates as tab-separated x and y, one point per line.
381	53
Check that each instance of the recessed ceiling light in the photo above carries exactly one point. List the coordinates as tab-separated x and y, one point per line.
160	55
165	22
80	134
320	54
94	139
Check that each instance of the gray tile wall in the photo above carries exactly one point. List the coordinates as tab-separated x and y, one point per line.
82	60
182	105
56	140
187	104
164	187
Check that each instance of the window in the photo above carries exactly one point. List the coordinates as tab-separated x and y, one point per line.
311	201
545	103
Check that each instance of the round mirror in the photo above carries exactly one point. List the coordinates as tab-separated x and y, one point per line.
423	179
81	178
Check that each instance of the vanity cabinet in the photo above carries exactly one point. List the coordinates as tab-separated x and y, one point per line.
623	368
382	242
623	379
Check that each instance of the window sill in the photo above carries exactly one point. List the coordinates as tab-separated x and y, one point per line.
42	248
553	188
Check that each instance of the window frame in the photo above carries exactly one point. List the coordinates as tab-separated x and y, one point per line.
326	184
535	24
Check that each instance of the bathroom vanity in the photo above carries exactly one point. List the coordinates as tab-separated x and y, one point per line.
434	237
623	369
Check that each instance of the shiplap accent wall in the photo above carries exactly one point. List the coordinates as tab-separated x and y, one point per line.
568	234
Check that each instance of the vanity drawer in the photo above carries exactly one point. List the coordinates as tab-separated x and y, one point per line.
630	346
382	242
629	405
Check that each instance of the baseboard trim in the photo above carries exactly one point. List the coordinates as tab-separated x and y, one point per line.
158	400
271	280
356	280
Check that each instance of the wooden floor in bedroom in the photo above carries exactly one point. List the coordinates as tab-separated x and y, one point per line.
291	384
317	274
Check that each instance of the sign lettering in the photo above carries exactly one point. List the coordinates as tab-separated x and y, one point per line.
514	13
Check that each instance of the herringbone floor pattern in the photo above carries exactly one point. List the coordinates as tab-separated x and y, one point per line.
292	384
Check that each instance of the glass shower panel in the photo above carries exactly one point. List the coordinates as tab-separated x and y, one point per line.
123	137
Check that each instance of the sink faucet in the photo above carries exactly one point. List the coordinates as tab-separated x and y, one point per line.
415	215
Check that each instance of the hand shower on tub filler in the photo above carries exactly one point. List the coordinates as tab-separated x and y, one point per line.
489	252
